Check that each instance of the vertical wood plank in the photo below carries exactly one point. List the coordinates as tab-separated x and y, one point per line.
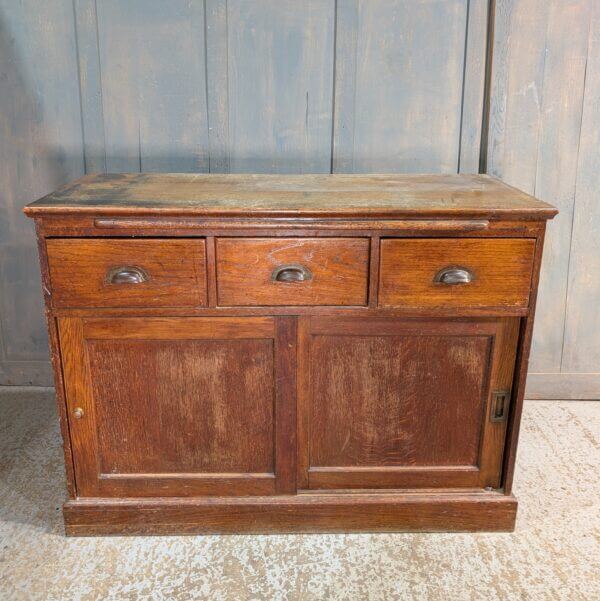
153	85
519	54
40	150
556	170
473	86
90	85
582	340
217	82
346	32
280	85
409	85
285	404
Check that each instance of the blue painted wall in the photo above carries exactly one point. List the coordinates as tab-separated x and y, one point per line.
267	86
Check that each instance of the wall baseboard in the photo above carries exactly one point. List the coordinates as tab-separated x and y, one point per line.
26	373
563	386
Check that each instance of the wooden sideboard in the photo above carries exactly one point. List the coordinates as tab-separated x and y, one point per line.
318	353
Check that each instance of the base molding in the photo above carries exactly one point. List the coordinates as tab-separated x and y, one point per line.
303	513
563	386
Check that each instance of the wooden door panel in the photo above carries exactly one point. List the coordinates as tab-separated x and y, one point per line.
390	403
391	400
168	407
180	406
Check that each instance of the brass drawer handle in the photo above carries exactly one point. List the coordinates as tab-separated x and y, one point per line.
291	273
127	275
454	276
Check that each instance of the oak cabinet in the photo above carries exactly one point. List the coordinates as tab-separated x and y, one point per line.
289	353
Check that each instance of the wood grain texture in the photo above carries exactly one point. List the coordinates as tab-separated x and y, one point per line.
517	90
543	80
501	271
338	270
90	85
170	406
393	195
582	343
473	100
557	166
280	81
282	401
56	360
217	84
344	86
425	512
408	85
186	415
162	101
376	402
80	272
153	85
40	149
387	403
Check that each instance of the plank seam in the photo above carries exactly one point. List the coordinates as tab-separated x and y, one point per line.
568	274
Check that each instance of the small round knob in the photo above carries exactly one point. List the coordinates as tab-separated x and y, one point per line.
78	413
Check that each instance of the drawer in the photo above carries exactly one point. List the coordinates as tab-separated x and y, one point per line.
127	273
292	271
456	272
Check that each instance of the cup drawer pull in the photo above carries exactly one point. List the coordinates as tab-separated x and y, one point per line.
127	275
291	273
454	276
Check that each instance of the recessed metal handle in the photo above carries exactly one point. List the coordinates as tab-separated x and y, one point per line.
454	275
126	275
291	273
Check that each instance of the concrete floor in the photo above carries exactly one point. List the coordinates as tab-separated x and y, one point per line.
554	553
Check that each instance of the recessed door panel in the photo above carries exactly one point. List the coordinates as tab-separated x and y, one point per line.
179	406
402	404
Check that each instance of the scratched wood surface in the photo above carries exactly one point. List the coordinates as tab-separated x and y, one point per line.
291	195
319	86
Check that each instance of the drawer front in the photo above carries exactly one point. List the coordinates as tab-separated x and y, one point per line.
292	271
456	272
127	273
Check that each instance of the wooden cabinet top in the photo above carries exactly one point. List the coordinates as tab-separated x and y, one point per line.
381	195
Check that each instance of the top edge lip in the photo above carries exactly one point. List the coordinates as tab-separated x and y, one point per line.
534	213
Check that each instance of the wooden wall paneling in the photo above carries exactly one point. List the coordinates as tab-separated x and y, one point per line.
409	73
280	68
536	142
90	85
153	82
473	86
556	168
516	93
346	33
40	150
582	345
217	83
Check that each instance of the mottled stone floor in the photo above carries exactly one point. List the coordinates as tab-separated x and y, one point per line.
554	553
